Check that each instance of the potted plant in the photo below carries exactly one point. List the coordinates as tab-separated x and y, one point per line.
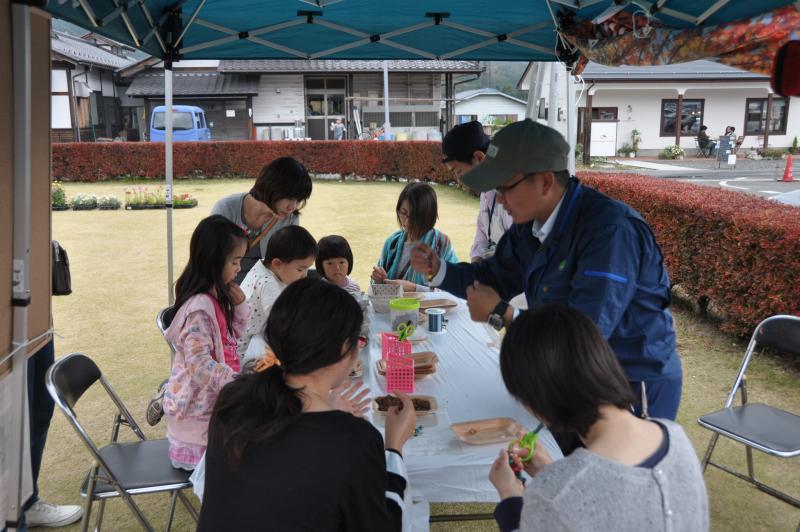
134	198
184	201
83	202
108	203
672	152
58	197
625	150
636	138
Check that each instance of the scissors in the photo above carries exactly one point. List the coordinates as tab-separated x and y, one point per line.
405	329
528	442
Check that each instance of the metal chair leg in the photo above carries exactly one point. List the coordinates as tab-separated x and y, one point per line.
171	514
101	507
136	512
707	457
189	506
87	511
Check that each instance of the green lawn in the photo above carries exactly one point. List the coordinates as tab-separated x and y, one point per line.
118	261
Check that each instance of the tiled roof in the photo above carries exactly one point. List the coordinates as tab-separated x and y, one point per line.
83	52
194	84
704	69
329	65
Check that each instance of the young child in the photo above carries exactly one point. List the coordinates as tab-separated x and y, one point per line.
290	253
417	213
208	315
335	263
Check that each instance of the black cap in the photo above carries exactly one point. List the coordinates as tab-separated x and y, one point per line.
462	141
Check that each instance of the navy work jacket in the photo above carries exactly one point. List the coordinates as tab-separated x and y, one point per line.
601	258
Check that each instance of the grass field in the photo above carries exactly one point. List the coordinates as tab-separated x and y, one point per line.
118	261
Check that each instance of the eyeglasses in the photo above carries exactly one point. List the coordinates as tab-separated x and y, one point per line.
505	190
403	214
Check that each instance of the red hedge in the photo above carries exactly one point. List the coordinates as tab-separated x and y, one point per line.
91	161
739	251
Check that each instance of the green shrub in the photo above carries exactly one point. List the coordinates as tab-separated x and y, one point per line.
671	152
83	202
109	202
58	196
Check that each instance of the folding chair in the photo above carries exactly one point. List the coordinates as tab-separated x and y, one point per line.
163	324
119	469
702	152
759	426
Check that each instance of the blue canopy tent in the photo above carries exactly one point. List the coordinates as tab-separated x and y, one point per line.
306	29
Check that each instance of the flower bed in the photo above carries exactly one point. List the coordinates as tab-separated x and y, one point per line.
740	253
83	202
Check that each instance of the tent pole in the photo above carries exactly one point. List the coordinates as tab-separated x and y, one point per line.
572	121
168	172
552	100
21	39
386	124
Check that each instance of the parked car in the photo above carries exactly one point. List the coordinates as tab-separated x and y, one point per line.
188	124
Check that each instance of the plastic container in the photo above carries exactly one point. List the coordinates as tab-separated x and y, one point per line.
381	294
402	311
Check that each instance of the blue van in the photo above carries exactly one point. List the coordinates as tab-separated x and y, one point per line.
188	124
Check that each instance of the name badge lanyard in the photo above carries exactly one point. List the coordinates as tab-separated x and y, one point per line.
552	249
490	211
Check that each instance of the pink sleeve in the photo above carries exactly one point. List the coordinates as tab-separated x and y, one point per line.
481	240
196	342
241	314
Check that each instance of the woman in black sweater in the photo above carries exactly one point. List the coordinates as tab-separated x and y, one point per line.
280	455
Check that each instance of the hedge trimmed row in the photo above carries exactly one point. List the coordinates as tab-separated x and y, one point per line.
92	161
737	251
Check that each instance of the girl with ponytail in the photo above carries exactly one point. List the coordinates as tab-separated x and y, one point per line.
208	315
281	456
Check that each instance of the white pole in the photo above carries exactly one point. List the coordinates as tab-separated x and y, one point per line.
532	110
386	124
20	282
168	173
572	121
552	99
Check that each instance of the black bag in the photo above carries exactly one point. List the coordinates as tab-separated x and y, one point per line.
62	280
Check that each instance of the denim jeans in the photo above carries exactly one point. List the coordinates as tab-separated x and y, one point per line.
40	410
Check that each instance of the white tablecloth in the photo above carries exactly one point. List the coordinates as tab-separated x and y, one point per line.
467	386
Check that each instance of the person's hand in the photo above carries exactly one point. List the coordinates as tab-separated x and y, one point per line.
347	398
481	300
541	457
408	286
379	275
425	261
236	294
504	479
400	424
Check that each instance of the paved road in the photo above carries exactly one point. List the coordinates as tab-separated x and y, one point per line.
759	186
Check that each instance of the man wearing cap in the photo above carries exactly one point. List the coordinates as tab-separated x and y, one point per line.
572	245
463	148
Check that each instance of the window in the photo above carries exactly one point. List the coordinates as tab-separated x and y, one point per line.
691	117
181	121
756	116
604	114
501	119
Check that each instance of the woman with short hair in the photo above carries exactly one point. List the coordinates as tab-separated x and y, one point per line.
279	193
417	213
633	474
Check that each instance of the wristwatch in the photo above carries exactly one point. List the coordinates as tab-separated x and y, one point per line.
497	316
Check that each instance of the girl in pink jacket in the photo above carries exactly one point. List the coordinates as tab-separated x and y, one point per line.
209	313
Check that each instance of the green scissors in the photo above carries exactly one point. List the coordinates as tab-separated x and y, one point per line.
527	442
405	329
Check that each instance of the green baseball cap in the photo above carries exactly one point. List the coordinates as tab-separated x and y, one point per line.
522	147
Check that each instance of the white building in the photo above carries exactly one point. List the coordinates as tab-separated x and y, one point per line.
488	106
646	99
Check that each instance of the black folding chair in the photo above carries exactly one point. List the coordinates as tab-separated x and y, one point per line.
756	425
702	151
119	469
163	324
